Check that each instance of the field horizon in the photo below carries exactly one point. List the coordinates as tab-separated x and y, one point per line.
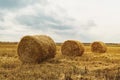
59	43
90	66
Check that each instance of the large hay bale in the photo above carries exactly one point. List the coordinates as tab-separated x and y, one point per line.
34	49
72	48
98	47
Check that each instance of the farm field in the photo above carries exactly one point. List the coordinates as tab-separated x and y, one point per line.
90	66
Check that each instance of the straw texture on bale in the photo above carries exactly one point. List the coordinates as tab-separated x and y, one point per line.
98	47
34	49
72	48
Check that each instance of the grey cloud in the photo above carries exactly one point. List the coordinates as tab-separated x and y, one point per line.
69	34
88	24
44	22
91	23
41	21
2	28
1	16
61	27
15	4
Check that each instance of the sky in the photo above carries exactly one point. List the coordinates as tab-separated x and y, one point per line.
83	20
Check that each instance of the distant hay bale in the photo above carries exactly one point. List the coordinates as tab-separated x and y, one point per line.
72	48
98	47
34	49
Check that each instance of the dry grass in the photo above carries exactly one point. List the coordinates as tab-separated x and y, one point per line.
88	67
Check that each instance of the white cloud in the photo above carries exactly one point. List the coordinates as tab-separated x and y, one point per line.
85	20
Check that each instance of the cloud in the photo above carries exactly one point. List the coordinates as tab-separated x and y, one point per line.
1	16
11	4
84	20
41	19
15	4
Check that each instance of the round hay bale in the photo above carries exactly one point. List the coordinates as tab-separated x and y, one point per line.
98	47
34	49
72	48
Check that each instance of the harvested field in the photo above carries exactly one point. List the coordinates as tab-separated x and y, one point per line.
89	66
